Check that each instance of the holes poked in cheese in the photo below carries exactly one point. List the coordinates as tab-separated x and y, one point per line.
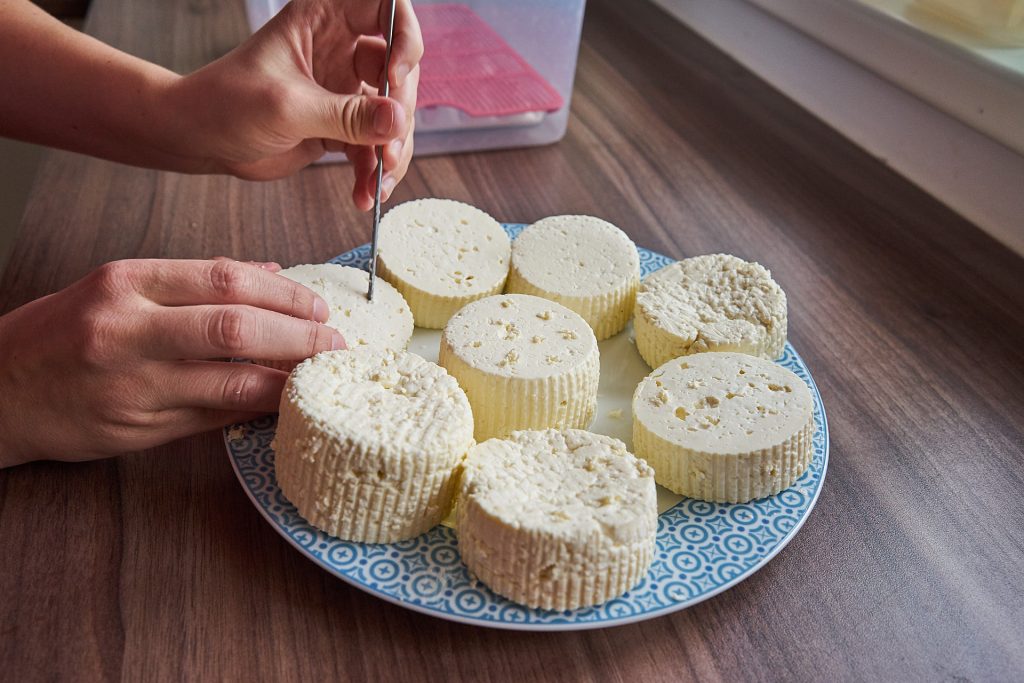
384	323
724	426
368	443
714	302
557	519
441	254
524	362
582	262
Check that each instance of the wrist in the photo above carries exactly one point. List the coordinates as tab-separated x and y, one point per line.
179	125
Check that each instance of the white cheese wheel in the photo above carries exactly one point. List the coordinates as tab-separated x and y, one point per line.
384	323
584	263
441	254
524	362
369	442
724	427
714	302
557	519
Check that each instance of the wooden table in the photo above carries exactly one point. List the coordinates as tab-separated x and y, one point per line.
155	565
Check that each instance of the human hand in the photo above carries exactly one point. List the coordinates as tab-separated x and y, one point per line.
123	359
305	83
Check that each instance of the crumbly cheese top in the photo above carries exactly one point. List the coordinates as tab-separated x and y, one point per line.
444	247
519	335
385	399
717	296
571	484
723	402
575	256
386	322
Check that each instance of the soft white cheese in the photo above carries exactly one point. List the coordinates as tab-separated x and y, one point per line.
524	362
557	519
441	254
583	263
384	323
369	442
724	427
714	302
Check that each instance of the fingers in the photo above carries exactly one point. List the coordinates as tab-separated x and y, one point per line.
184	283
371	18
233	331
223	386
368	60
407	41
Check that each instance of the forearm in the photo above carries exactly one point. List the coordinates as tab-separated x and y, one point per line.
65	89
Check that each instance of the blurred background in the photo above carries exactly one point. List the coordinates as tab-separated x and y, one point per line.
934	88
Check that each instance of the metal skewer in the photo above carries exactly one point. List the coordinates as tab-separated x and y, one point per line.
380	160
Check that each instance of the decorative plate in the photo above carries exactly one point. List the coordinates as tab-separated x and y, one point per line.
702	548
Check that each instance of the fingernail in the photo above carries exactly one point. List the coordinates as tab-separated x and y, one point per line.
320	310
401	71
337	341
383	119
388	185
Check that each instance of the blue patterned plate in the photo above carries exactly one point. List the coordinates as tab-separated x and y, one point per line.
702	548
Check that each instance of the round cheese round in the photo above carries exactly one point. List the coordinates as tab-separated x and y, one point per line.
384	323
584	263
724	427
714	302
369	442
524	362
441	254
557	519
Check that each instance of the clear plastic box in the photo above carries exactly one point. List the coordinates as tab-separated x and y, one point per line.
495	73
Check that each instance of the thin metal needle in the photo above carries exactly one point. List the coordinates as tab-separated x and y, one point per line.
380	160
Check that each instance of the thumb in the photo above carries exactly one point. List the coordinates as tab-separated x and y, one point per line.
355	119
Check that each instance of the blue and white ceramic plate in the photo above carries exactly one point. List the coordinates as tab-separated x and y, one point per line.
702	548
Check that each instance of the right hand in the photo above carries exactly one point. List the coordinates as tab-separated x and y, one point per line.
125	358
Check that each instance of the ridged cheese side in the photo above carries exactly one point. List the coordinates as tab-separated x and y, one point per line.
369	442
724	427
714	302
524	362
441	255
557	519
584	263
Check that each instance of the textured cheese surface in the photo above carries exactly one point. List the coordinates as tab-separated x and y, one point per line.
441	254
583	263
368	443
524	362
557	519
714	302
724	427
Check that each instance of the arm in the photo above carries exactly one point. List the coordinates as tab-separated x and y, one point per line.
305	83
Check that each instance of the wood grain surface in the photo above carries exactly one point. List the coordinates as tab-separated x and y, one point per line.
156	566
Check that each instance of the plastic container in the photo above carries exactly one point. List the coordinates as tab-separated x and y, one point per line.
495	73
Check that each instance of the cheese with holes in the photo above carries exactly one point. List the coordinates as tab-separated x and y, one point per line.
384	323
724	427
524	362
441	254
369	442
584	263
714	302
557	519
